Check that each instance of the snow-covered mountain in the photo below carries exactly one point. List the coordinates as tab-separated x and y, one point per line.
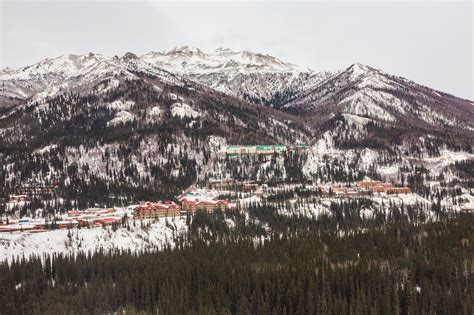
370	93
360	91
160	120
123	122
251	76
71	73
256	77
186	60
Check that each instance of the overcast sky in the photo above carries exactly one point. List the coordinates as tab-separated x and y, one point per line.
428	42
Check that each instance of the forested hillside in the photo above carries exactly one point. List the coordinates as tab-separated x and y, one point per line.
144	138
298	266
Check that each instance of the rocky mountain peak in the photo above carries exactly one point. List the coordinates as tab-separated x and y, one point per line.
184	50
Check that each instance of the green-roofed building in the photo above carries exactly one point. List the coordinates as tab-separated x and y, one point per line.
233	150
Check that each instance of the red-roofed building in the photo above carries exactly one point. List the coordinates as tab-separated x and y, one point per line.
18	198
105	221
193	205
156	210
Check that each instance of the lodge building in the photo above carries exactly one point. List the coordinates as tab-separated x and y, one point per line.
157	210
381	187
192	205
262	149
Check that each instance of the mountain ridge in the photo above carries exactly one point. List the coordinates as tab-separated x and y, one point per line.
316	98
219	60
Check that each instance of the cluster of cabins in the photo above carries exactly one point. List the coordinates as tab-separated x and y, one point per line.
381	187
232	184
171	209
90	217
26	192
18	198
35	225
189	204
96	216
370	187
263	149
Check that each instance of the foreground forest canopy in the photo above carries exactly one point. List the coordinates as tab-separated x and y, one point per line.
294	266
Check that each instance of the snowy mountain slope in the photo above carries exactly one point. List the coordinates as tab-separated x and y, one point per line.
368	92
185	60
252	76
52	74
148	135
68	73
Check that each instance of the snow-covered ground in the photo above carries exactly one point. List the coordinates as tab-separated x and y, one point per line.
136	238
183	110
120	118
446	158
153	235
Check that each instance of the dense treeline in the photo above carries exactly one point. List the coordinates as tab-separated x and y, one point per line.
383	269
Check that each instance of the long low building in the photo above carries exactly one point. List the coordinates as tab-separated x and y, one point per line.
36	225
192	205
381	187
234	150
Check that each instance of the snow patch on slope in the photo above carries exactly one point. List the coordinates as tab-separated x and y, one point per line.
120	118
186	59
154	237
121	105
183	110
